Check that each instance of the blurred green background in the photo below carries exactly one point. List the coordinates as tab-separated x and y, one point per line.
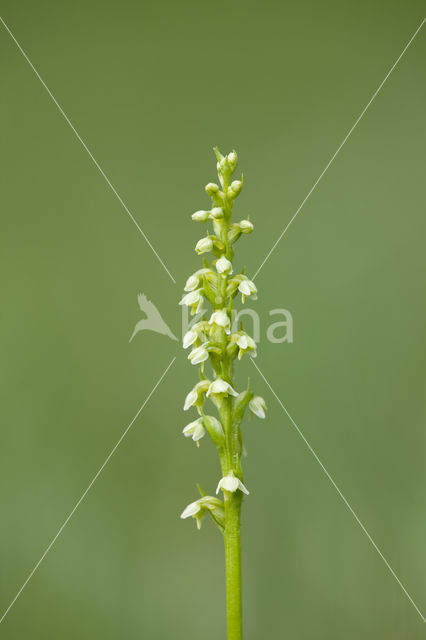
151	87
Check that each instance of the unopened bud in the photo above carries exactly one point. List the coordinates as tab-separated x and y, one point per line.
200	216
204	245
216	213
235	189
246	226
232	160
211	188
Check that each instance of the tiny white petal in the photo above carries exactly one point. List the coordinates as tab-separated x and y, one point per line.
191	510
243	488
190	400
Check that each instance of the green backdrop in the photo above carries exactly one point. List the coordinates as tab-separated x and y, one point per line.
151	87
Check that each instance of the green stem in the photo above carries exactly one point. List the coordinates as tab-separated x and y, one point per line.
233	566
230	462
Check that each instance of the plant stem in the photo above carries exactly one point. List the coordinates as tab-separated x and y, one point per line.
233	566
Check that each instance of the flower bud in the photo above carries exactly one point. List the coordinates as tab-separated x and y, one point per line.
235	188
204	245
246	226
200	216
211	189
257	405
216	213
232	161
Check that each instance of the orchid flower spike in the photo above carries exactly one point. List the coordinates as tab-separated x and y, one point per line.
216	351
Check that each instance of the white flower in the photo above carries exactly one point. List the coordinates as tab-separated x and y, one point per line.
203	505
223	265
247	288
191	298
194	397
200	216
216	213
199	354
195	430
219	386
192	283
246	226
189	338
204	245
257	405
231	483
220	318
246	344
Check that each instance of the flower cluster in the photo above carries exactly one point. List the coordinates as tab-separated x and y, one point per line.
215	341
